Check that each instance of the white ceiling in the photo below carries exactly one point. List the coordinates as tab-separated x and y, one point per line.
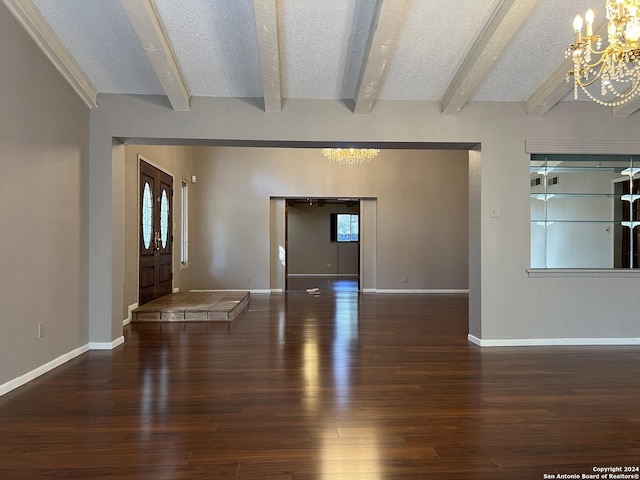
450	51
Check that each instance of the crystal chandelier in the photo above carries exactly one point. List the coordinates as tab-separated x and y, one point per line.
350	156
616	66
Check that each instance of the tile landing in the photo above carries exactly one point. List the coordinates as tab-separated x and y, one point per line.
215	306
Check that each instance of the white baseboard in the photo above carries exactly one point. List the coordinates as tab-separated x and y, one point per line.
542	342
106	345
130	308
62	359
47	367
434	291
277	290
176	290
369	290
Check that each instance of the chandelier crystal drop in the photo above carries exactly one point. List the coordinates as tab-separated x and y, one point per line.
350	156
616	68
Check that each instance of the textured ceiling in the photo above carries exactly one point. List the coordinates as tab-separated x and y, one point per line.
101	39
435	38
321	47
216	46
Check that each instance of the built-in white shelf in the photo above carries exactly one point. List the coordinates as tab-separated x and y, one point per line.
630	198
630	224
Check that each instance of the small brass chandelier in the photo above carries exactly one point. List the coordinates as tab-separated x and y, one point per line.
350	156
617	66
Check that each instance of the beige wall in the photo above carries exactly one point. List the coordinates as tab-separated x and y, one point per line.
44	155
177	161
422	220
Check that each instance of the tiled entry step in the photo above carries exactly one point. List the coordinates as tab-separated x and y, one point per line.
220	306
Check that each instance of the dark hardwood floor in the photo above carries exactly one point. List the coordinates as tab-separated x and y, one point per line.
335	386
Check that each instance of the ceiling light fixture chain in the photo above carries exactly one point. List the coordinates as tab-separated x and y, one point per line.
350	156
617	66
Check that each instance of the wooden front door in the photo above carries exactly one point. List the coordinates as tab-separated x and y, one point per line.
156	238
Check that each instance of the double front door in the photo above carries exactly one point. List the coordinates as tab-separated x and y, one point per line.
156	238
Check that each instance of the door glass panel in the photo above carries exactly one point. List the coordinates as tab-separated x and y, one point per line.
164	219
147	215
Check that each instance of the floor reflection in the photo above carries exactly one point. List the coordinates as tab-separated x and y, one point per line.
345	338
328	342
154	387
355	453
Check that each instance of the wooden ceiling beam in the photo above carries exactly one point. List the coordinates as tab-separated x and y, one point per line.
266	18
501	28
554	89
382	34
148	27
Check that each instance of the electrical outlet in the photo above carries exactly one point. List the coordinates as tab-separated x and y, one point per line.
249	279
405	279
41	329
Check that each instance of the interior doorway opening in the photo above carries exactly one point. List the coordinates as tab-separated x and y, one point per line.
322	244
